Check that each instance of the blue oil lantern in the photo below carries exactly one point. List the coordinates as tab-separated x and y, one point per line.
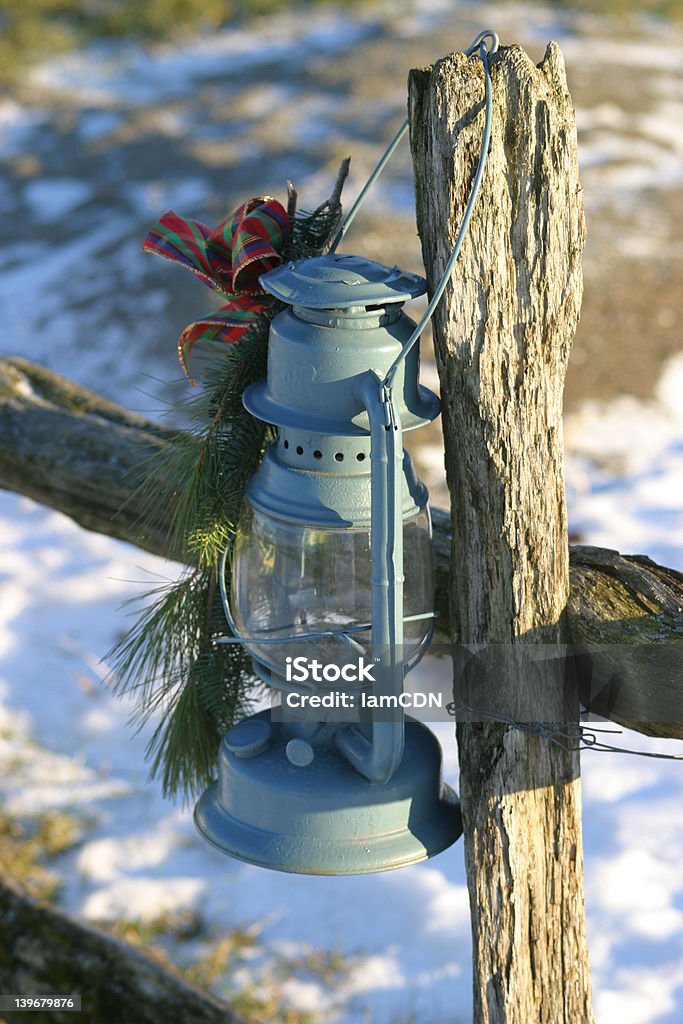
332	579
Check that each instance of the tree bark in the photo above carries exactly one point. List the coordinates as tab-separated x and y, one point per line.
46	952
68	448
502	336
74	451
629	657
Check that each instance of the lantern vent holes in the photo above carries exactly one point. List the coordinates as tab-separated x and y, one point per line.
318	458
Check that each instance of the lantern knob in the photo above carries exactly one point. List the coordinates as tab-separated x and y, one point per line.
299	752
248	738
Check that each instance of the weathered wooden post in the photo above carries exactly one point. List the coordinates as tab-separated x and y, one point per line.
503	333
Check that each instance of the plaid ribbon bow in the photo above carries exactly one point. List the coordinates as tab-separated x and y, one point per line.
230	259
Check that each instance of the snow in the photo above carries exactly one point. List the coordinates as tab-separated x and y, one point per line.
626	471
52	200
111	72
65	741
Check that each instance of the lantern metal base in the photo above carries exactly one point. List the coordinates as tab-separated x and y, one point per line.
325	818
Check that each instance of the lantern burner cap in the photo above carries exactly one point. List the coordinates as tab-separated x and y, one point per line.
339	281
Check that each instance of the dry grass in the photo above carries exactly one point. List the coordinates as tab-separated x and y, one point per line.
27	847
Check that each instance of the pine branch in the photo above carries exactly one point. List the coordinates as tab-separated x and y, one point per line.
170	659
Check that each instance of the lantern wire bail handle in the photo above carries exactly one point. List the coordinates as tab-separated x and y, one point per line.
386	385
484	54
478	43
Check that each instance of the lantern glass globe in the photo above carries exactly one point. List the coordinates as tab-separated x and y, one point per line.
290	579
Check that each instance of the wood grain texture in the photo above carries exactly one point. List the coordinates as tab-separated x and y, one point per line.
503	334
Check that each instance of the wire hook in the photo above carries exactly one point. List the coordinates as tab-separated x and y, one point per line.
479	42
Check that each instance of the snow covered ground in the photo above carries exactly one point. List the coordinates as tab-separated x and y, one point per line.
75	272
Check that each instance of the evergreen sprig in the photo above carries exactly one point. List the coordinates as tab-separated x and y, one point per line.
170	661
